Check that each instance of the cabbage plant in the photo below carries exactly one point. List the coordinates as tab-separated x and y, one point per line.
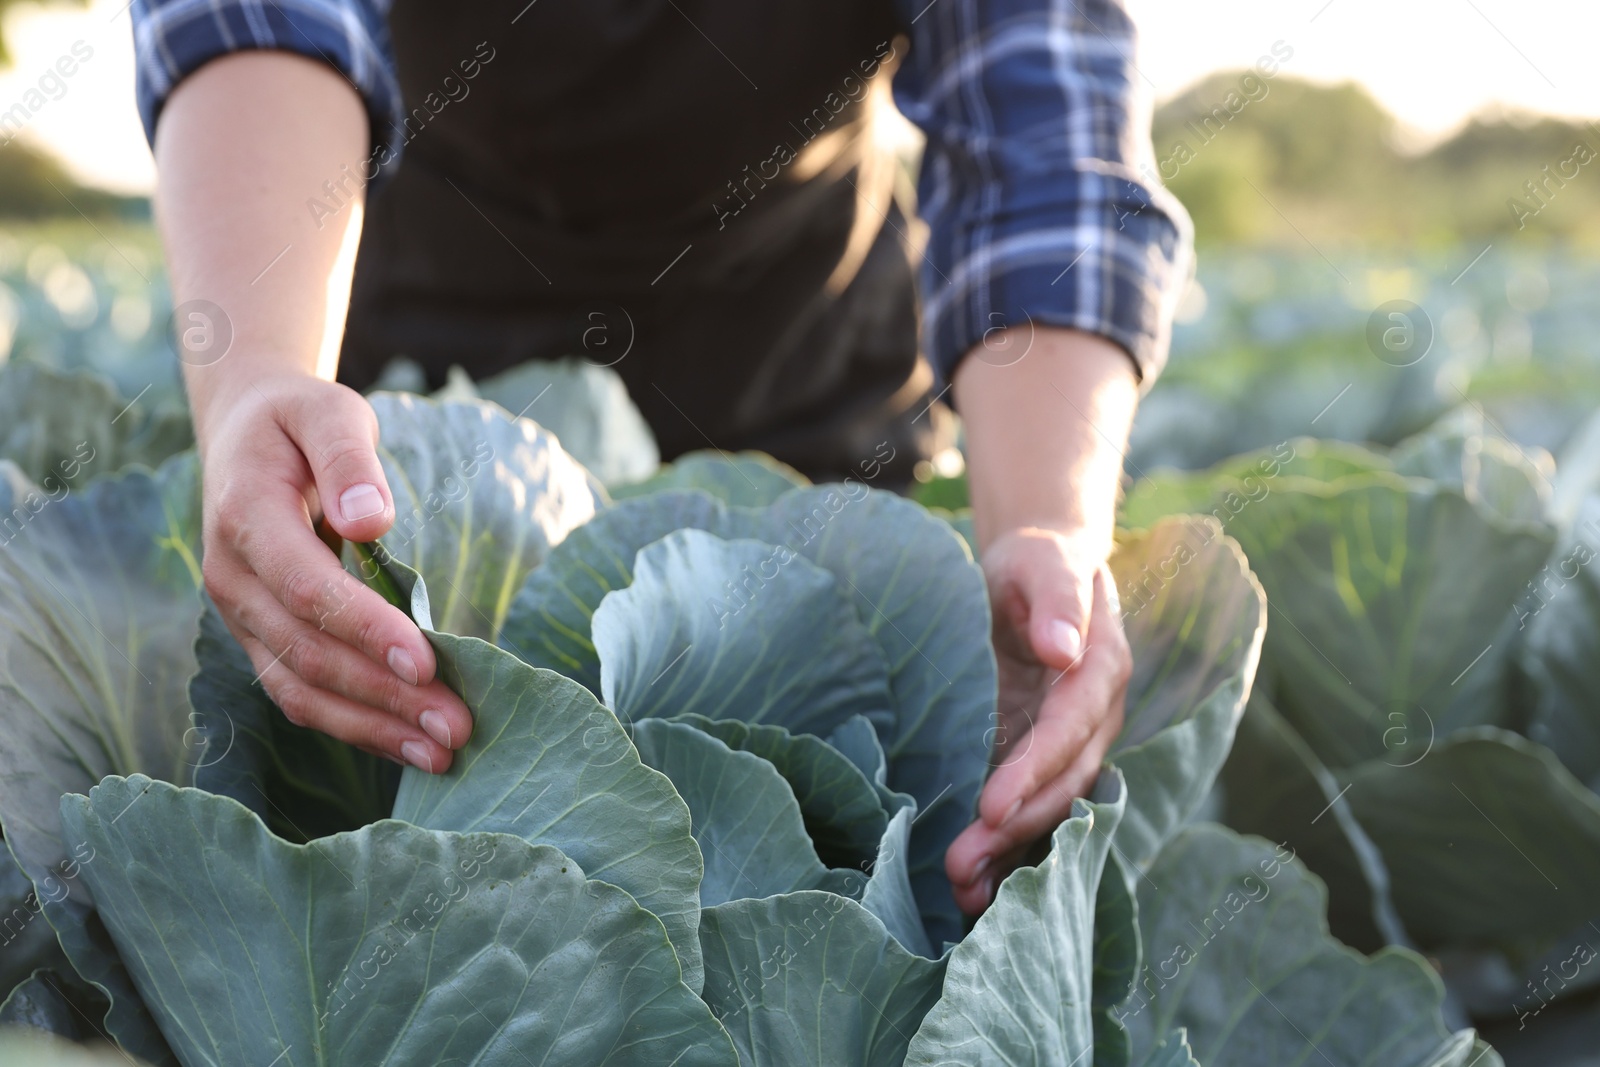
725	729
1425	731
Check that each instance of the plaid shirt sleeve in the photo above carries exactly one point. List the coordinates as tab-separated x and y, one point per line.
174	38
1038	182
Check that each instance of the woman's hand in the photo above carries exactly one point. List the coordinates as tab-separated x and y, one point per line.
1064	667
285	452
242	143
1046	430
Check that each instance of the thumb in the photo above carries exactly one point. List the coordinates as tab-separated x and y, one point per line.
1058	612
337	431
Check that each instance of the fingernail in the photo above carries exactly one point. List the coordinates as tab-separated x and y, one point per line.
981	866
360	502
1011	812
988	892
1067	638
416	754
438	728
402	664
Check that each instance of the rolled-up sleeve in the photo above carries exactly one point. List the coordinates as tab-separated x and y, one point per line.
174	38
1038	182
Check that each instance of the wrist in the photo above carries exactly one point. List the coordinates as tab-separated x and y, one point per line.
217	401
1080	543
1045	438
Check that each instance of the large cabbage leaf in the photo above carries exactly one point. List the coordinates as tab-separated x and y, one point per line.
750	479
389	945
98	613
912	584
1386	609
745	817
1237	952
1490	840
813	978
1275	787
547	763
586	406
480	498
1194	617
737	630
1020	988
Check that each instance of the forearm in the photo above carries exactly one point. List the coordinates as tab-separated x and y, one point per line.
243	144
1046	436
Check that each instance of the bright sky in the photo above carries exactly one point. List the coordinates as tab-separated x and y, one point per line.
1432	62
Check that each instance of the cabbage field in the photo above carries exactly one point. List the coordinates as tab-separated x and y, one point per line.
727	723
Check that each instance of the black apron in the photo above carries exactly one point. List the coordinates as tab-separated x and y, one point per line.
682	189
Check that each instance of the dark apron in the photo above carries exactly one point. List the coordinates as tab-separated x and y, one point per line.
612	183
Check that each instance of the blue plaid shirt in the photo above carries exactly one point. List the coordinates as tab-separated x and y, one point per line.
1038	183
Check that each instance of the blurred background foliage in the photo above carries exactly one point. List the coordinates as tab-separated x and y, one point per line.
1298	162
7	5
1338	166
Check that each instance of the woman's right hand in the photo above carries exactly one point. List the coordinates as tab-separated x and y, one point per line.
280	453
241	144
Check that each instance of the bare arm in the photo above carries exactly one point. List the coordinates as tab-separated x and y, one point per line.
1046	435
1045	439
242	144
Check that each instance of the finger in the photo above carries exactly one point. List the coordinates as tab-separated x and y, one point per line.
365	728
981	856
1071	718
325	662
297	568
1042	596
1059	603
974	899
1074	711
1052	803
337	432
975	849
